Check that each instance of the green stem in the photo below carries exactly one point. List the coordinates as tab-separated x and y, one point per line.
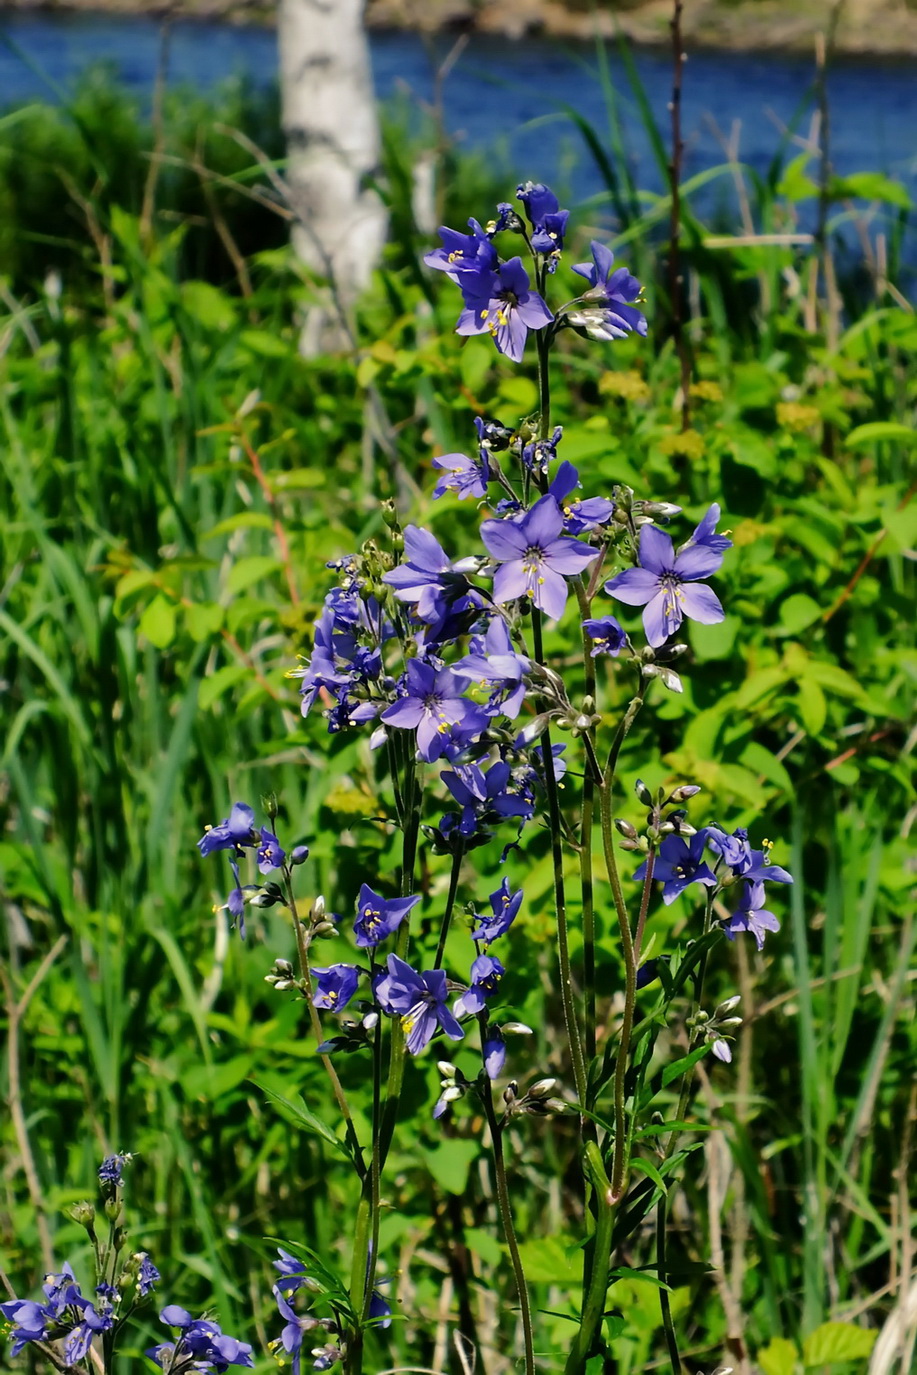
560	902
305	969
506	1217
594	1305
664	1305
585	854
450	904
619	1165
688	1077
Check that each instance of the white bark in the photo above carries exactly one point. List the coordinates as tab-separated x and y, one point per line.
332	132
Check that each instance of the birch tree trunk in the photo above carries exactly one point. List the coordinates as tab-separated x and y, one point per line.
332	132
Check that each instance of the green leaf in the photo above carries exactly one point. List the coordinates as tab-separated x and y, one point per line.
643	1166
875	431
797	612
760	760
484	1244
520	393
158	622
837	1341
625	1272
449	1164
251	570
870	186
212	688
299	479
778	1357
265	344
211	307
210	1082
203	620
813	708
476	362
547	1260
295	1110
795	184
243	520
678	1067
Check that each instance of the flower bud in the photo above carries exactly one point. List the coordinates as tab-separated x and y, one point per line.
625	829
683	793
269	805
317	910
644	796
370	1021
518	1028
542	1089
324	928
84	1214
446	1070
299	855
728	1005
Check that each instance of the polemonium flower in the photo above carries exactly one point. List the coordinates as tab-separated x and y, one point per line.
549	222
679	864
606	635
427	577
494	1052
462	252
379	917
502	303
112	1166
231	833
494	662
291	1338
147	1275
201	1340
431	701
292	1270
483	797
751	915
29	1322
486	973
535	557
463	476
752	865
337	983
505	905
270	854
664	585
540	453
419	999
705	533
79	1338
615	290
579	515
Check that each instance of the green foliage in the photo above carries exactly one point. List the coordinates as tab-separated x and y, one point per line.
175	478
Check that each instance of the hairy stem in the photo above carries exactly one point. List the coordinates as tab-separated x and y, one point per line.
594	1303
664	1305
506	1217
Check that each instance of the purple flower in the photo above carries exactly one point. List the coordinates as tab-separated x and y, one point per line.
431	700
112	1166
465	477
606	635
232	833
548	221
722	1049
502	302
79	1338
379	917
269	855
662	585
292	1270
680	864
201	1341
337	983
647	973
539	454
705	534
752	865
493	662
505	908
427	578
29	1321
535	557
291	1338
419	1000
147	1275
483	797
751	915
494	1052
462	253
613	289
579	516
486	973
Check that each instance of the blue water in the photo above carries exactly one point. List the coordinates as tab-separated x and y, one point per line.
509	96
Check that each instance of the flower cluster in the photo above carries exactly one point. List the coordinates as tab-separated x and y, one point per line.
200	1344
681	862
236	834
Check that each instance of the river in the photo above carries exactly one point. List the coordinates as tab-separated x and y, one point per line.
508	97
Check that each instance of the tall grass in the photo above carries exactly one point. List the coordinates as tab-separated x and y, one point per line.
175	476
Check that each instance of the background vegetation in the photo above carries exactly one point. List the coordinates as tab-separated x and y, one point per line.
174	478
